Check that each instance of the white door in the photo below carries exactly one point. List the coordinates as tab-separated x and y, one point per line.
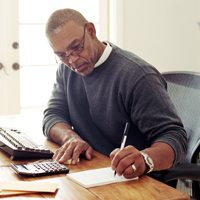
9	58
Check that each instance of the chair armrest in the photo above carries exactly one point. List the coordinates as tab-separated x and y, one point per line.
184	170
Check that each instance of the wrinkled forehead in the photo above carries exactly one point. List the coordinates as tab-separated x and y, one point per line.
64	35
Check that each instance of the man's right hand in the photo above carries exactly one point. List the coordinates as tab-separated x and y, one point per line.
72	149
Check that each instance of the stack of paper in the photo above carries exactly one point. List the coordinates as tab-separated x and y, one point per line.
26	187
97	177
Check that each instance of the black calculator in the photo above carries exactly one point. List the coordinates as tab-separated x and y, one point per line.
40	168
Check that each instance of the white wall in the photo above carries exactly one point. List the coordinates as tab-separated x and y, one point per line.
166	33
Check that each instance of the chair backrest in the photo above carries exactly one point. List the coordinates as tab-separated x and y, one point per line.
184	90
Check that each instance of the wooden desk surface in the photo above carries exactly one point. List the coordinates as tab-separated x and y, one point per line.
145	188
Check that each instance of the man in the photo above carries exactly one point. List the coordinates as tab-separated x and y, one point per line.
99	87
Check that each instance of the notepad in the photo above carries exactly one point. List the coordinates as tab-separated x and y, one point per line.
96	177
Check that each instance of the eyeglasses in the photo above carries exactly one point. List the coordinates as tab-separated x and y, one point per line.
74	51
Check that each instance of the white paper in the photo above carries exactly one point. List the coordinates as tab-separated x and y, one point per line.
96	177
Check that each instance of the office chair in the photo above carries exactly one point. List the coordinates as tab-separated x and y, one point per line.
184	90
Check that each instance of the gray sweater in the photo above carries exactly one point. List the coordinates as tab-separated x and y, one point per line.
122	89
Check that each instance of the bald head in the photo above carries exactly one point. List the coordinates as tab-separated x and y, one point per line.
60	17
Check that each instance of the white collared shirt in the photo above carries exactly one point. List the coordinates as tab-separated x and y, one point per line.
104	55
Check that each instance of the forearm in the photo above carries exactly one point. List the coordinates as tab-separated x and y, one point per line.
162	155
61	132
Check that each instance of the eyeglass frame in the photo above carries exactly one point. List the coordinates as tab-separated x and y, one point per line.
65	56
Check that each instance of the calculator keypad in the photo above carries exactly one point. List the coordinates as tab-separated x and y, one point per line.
50	167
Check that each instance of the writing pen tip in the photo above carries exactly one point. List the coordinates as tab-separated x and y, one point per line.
115	173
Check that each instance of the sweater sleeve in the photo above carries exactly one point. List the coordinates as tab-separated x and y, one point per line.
57	107
155	115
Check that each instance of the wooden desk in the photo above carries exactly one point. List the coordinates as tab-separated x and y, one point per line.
145	188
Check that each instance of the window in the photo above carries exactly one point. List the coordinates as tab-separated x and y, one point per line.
37	61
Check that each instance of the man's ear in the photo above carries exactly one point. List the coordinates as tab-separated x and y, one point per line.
91	29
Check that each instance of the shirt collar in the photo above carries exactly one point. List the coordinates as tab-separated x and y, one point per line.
104	55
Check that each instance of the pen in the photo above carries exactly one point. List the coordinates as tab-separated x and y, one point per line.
124	137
